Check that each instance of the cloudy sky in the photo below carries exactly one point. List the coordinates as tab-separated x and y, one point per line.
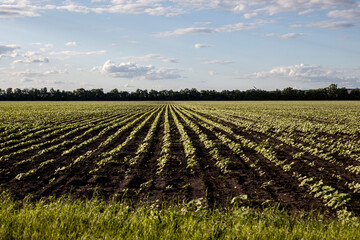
156	44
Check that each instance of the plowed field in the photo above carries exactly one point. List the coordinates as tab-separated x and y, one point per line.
303	155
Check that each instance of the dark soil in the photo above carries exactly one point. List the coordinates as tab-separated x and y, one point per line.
118	180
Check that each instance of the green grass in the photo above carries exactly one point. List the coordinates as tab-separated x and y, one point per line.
96	219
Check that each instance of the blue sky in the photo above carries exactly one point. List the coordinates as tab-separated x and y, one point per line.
155	44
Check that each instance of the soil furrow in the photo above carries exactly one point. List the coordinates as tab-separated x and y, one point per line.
282	186
41	182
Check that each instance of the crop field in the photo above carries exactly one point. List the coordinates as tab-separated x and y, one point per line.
302	155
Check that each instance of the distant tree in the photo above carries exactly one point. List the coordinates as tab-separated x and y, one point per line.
9	91
355	94
113	94
332	91
96	94
155	95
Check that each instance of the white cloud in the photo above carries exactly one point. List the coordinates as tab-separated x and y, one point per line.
269	6
151	7
250	15
163	11
292	35
30	54
30	74
162	73
249	8
35	60
46	47
132	70
305	72
15	9
200	45
72	7
212	73
307	11
150	57
286	36
253	8
220	62
49	45
328	24
353	13
23	8
230	5
71	44
8	50
74	53
281	6
185	31
236	27
196	30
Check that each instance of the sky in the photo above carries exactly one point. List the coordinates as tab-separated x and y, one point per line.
156	44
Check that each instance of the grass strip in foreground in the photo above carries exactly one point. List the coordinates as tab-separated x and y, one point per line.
96	219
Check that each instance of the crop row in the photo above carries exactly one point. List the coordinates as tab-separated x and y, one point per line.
320	159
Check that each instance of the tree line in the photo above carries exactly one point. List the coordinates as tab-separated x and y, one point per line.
329	93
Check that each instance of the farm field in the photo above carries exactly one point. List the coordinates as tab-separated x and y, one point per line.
304	156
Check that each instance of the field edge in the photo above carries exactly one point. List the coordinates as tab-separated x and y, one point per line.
93	219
